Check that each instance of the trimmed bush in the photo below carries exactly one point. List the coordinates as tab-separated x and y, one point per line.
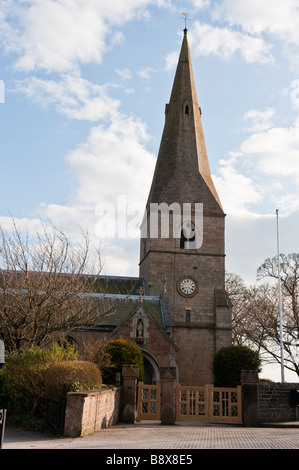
71	376
228	363
121	352
23	375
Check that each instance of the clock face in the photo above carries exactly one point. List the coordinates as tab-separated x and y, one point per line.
187	286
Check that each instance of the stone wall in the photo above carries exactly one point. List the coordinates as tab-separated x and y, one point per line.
274	402
90	411
154	341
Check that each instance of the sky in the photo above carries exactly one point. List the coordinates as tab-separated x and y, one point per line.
83	88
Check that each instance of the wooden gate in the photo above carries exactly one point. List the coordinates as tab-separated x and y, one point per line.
149	401
208	404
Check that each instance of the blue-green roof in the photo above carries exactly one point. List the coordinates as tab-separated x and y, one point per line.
118	297
119	308
117	285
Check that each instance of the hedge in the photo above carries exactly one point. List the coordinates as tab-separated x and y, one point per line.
228	363
71	376
23	376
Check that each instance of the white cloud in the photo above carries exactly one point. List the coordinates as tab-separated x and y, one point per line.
125	74
237	192
288	204
112	168
263	172
260	120
57	36
71	95
199	4
276	149
112	161
257	236
23	224
111	165
171	60
295	92
225	42
274	17
146	72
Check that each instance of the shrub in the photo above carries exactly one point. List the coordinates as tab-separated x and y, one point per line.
94	351
23	375
121	352
228	363
71	376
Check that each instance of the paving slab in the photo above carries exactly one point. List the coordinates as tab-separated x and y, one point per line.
153	435
16	438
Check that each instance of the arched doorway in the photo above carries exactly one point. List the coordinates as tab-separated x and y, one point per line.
149	374
151	369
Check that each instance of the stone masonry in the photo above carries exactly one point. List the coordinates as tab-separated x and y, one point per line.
199	323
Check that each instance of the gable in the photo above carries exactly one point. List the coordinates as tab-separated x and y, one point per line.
142	328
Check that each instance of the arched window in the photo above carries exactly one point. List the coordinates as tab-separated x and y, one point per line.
186	109
187	236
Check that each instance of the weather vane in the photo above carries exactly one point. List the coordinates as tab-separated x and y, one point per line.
185	18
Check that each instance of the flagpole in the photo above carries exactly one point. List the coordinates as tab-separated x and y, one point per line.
279	301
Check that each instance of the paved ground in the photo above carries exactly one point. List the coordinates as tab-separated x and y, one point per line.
152	435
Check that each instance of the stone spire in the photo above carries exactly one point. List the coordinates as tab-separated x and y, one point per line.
182	171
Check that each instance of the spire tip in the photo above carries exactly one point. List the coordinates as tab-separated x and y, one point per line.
185	19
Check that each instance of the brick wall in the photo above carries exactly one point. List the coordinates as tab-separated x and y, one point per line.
274	402
90	411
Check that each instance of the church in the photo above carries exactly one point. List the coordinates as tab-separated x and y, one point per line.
177	310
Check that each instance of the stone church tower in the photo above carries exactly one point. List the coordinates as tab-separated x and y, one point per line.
186	267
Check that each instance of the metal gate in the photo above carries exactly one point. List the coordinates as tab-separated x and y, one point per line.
53	411
149	401
209	404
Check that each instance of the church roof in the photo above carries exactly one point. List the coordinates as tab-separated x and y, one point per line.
118	297
117	285
121	307
182	171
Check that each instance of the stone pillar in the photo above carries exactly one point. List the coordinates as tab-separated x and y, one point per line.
130	375
168	377
249	382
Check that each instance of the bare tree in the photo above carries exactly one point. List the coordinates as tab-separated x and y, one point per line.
289	276
45	286
247	303
236	290
255	311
